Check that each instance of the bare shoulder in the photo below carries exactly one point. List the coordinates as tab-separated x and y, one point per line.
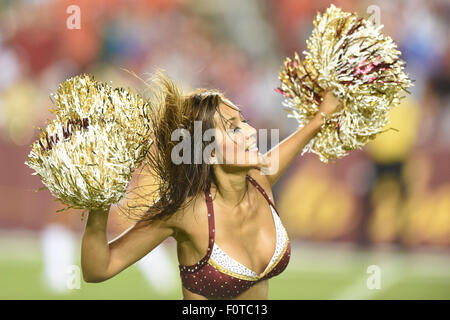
187	218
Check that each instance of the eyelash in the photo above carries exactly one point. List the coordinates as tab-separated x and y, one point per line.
234	130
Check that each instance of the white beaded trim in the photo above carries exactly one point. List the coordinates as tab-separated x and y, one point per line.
225	261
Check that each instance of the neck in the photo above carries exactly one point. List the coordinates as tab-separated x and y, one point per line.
230	186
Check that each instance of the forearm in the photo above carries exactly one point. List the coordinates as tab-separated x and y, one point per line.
290	147
95	252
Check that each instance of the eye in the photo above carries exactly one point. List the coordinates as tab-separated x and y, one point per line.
238	128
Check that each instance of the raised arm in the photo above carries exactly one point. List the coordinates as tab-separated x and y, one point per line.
101	260
290	147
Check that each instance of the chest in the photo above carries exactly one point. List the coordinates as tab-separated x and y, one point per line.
247	235
250	232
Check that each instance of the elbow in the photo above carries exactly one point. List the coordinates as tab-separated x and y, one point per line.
92	278
93	272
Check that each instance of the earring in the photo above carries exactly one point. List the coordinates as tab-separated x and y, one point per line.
213	160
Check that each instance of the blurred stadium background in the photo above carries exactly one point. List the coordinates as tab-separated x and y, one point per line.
387	205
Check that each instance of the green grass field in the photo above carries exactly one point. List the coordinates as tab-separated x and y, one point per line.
315	272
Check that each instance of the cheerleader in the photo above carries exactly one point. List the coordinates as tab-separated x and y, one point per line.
220	211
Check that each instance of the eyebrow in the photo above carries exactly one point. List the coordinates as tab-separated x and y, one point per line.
234	117
229	121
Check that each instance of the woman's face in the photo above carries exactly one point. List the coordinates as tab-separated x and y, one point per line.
235	139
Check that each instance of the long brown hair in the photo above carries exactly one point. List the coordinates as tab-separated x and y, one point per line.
171	110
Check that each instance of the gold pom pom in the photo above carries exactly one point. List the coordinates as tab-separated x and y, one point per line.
100	136
360	65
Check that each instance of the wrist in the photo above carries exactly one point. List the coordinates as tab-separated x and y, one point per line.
100	209
97	219
319	119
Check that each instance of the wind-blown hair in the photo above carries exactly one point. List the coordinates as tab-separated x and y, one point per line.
176	184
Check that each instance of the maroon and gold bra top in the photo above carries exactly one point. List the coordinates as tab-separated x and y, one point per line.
217	275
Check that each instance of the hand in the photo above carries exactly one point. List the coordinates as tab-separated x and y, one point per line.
330	103
101	210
